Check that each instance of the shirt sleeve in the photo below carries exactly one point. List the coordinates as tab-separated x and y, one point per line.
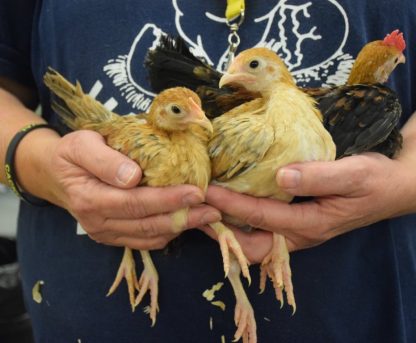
16	21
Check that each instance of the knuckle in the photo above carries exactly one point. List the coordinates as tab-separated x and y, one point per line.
256	219
113	240
96	237
81	205
92	227
360	170
135	207
148	228
313	234
160	243
74	143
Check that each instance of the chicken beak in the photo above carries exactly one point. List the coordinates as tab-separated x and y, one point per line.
237	78
401	59
205	123
197	116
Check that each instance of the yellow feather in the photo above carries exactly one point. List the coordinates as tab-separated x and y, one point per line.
166	157
251	142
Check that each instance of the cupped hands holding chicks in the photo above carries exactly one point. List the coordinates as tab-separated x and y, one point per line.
349	193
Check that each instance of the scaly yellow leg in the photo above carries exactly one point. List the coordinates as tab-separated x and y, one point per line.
276	266
243	314
149	281
126	270
227	241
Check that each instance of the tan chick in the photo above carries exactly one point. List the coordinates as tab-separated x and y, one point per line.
167	147
252	141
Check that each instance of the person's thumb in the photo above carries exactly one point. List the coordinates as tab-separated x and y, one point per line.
105	163
317	178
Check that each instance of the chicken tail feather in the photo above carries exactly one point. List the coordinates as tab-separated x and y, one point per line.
76	109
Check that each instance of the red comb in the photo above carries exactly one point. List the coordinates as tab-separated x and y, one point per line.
395	39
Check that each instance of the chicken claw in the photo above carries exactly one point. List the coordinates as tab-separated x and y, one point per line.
227	240
149	281
276	266
126	270
243	315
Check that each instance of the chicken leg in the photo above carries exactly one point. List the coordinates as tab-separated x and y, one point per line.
244	314
227	241
276	266
149	281
126	270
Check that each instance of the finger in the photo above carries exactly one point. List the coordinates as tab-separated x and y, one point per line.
154	226
88	150
341	177
156	243
268	214
147	201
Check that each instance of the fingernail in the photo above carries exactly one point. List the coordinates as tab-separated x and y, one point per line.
192	199
126	172
210	217
288	178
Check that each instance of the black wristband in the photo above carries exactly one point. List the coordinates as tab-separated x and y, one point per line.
9	164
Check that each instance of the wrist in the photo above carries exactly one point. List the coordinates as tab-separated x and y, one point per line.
33	163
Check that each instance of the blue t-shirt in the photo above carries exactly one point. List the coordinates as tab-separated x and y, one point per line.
359	287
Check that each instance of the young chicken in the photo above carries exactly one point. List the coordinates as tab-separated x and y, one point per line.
171	148
377	60
363	115
167	147
359	117
252	141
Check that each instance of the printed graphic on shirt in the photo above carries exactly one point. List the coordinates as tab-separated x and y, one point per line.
284	27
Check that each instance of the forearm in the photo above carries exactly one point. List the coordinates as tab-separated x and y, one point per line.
31	161
408	157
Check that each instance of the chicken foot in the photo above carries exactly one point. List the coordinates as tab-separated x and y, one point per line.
243	315
227	241
149	281
127	270
276	266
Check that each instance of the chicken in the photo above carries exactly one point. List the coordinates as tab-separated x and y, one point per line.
171	148
161	146
367	115
252	141
363	115
377	60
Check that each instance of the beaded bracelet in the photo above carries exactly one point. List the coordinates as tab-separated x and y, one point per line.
9	164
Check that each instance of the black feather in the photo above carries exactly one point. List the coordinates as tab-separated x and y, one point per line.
361	118
171	64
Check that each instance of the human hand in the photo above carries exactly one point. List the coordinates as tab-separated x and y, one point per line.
349	193
97	185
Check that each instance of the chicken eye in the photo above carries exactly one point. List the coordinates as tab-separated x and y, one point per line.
396	60
254	64
175	109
